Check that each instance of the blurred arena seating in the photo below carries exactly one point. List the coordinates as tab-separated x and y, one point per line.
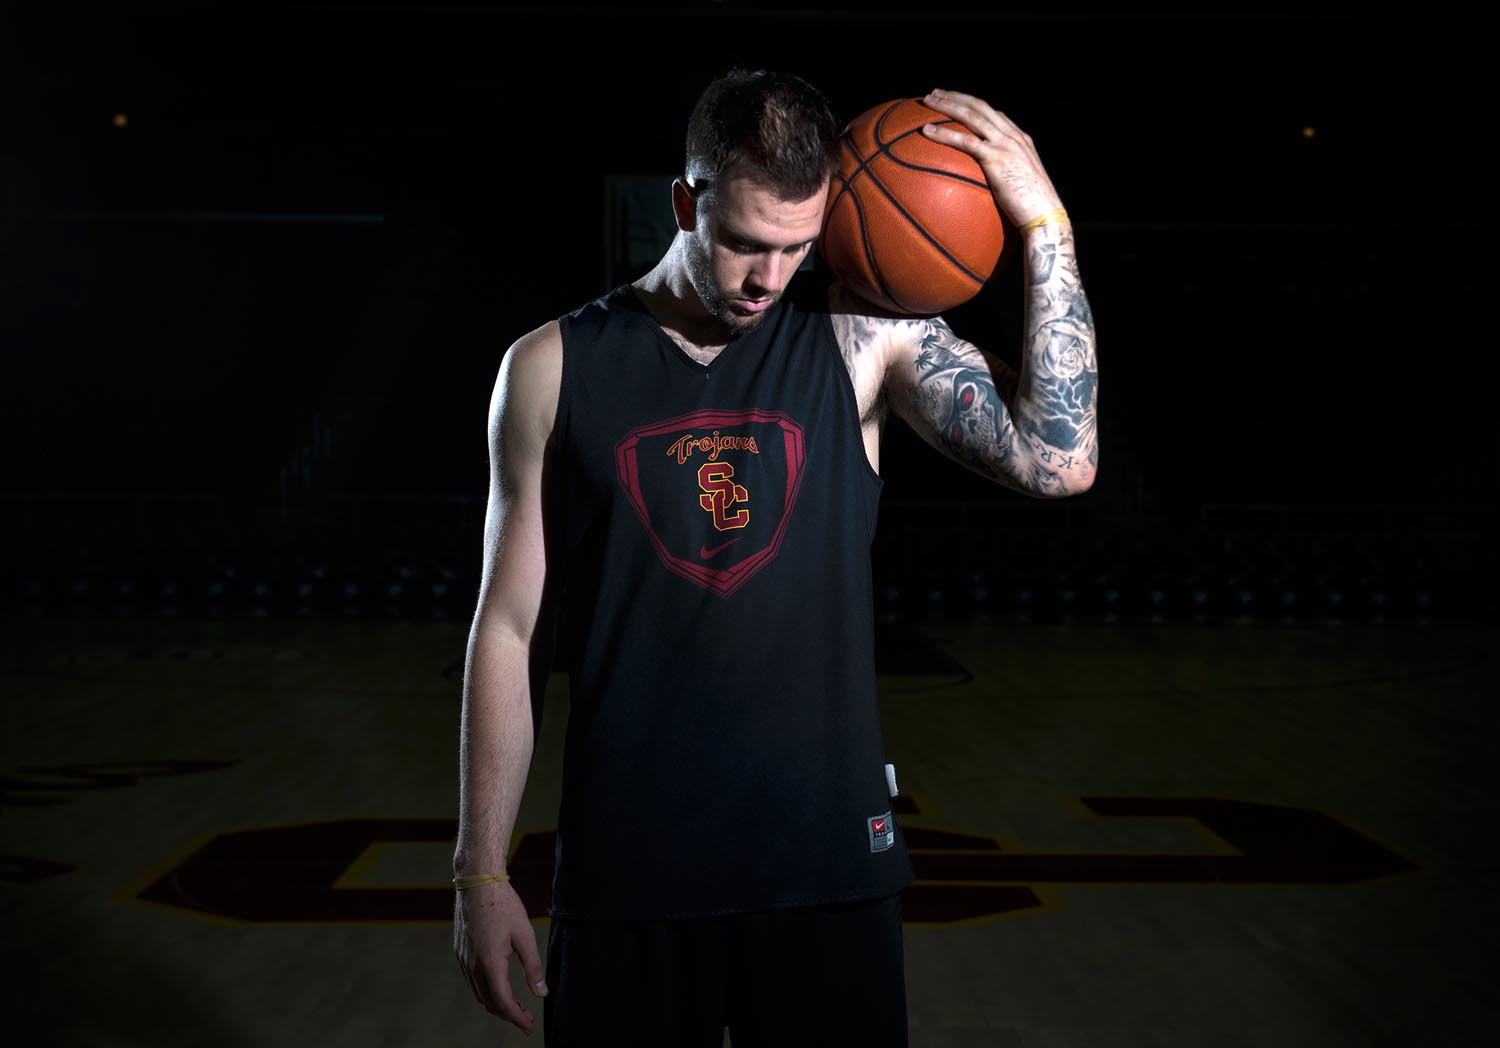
1021	561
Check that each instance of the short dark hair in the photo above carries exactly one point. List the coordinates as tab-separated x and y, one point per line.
772	126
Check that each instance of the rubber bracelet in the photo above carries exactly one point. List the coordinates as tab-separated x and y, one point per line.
1046	218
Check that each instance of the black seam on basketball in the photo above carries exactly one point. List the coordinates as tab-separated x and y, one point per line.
840	176
864	166
860	162
859	215
965	270
932	170
864	243
884	147
864	240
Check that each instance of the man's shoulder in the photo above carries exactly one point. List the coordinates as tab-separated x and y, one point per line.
844	301
548	338
865	332
539	343
592	316
532	368
619	297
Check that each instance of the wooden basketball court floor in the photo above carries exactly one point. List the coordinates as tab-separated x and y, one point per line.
239	833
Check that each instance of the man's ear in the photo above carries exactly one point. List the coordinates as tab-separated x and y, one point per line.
684	206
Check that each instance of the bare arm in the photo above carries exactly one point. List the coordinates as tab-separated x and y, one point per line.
1034	432
496	731
502	685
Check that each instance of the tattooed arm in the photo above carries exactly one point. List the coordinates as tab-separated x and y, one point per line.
1034	431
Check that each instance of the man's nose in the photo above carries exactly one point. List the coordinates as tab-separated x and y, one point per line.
769	272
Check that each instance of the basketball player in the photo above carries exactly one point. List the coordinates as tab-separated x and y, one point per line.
694	459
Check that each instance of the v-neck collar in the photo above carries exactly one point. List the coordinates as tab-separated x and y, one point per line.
634	299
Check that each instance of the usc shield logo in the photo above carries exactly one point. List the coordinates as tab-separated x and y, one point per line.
714	490
713	477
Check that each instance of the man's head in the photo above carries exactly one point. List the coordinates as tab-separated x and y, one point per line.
761	147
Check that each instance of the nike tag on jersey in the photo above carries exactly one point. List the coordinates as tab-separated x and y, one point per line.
882	832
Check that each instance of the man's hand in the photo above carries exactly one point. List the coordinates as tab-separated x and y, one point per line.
1035	432
1005	153
489	926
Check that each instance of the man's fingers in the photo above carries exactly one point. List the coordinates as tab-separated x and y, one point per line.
953	136
504	1001
474	985
961	107
978	114
473	971
484	942
531	963
493	992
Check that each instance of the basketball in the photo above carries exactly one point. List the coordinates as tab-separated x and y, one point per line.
910	224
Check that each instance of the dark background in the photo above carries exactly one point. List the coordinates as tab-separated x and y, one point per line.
248	339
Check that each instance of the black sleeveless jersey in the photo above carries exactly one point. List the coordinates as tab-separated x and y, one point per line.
712	530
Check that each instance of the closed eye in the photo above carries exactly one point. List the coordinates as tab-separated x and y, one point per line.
741	247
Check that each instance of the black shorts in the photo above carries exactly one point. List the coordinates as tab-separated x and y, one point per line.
815	975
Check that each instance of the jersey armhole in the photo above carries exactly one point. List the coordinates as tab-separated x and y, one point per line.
846	383
556	539
560	420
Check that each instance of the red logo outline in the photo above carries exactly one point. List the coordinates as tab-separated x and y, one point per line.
721	581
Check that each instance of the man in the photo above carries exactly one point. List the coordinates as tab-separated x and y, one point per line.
694	458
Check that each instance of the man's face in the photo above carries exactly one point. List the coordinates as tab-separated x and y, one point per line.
745	247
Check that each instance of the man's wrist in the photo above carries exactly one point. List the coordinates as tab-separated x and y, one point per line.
477	862
1053	216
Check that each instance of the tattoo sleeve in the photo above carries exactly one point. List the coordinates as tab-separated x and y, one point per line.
1034	431
958	400
1056	404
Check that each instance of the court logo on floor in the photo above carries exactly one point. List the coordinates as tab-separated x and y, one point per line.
882	832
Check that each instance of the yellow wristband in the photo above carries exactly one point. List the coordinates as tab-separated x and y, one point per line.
469	880
1046	218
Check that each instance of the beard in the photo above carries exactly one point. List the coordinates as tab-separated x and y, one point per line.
715	299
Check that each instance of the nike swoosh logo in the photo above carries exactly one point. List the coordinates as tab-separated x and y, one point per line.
704	552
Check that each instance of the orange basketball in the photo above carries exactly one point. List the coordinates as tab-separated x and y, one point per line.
911	223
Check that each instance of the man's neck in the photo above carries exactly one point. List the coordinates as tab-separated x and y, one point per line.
668	294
